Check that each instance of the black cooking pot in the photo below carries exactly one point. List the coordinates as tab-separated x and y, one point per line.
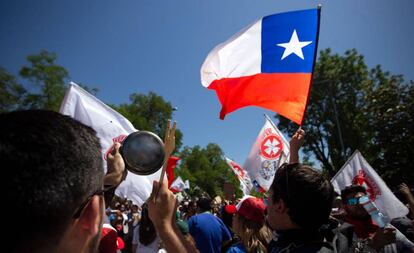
143	152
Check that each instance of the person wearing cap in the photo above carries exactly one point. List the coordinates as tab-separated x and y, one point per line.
249	226
110	242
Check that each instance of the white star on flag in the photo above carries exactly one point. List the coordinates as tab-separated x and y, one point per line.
272	147
294	46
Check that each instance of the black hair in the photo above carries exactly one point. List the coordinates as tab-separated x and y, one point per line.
51	164
306	192
352	189
146	230
204	204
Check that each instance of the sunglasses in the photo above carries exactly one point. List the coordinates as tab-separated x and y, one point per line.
356	201
82	206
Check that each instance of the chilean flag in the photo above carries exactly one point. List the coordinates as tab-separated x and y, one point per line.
268	64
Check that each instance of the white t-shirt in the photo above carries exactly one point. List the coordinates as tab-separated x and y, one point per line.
151	248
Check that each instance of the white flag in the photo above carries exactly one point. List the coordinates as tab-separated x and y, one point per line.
268	152
110	126
245	182
357	171
187	185
178	184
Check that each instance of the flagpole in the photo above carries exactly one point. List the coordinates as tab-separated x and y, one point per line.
343	166
273	124
270	120
314	61
338	126
237	176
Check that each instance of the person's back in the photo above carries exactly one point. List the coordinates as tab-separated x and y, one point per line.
145	238
209	232
137	246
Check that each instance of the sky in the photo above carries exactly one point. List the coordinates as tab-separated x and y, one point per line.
137	46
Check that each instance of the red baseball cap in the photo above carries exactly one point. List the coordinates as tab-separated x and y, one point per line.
252	208
230	209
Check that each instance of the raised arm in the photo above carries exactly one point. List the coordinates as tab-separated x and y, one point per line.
162	208
115	167
405	190
296	143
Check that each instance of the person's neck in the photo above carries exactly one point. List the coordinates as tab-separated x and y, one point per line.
298	235
287	224
364	227
359	220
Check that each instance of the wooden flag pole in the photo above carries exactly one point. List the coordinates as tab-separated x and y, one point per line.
169	146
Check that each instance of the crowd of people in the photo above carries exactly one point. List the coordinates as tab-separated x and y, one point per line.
64	202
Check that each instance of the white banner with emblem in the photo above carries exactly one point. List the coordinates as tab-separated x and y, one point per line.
358	171
110	127
242	175
268	152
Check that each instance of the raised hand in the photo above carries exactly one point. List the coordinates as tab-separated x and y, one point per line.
382	237
404	189
296	143
169	139
116	171
162	205
169	146
297	140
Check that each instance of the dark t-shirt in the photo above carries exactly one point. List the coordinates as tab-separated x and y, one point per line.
209	232
298	241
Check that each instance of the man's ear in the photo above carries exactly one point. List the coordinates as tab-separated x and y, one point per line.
90	220
85	228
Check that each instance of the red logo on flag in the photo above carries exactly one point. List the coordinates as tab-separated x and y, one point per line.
271	147
119	139
365	180
239	170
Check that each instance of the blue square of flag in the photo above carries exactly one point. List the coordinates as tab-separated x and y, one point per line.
294	32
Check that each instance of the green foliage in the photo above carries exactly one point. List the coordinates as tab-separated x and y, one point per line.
149	112
374	112
207	169
47	88
11	92
50	78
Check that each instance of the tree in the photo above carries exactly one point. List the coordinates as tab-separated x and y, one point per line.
391	115
207	169
149	112
353	107
49	77
11	92
45	89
